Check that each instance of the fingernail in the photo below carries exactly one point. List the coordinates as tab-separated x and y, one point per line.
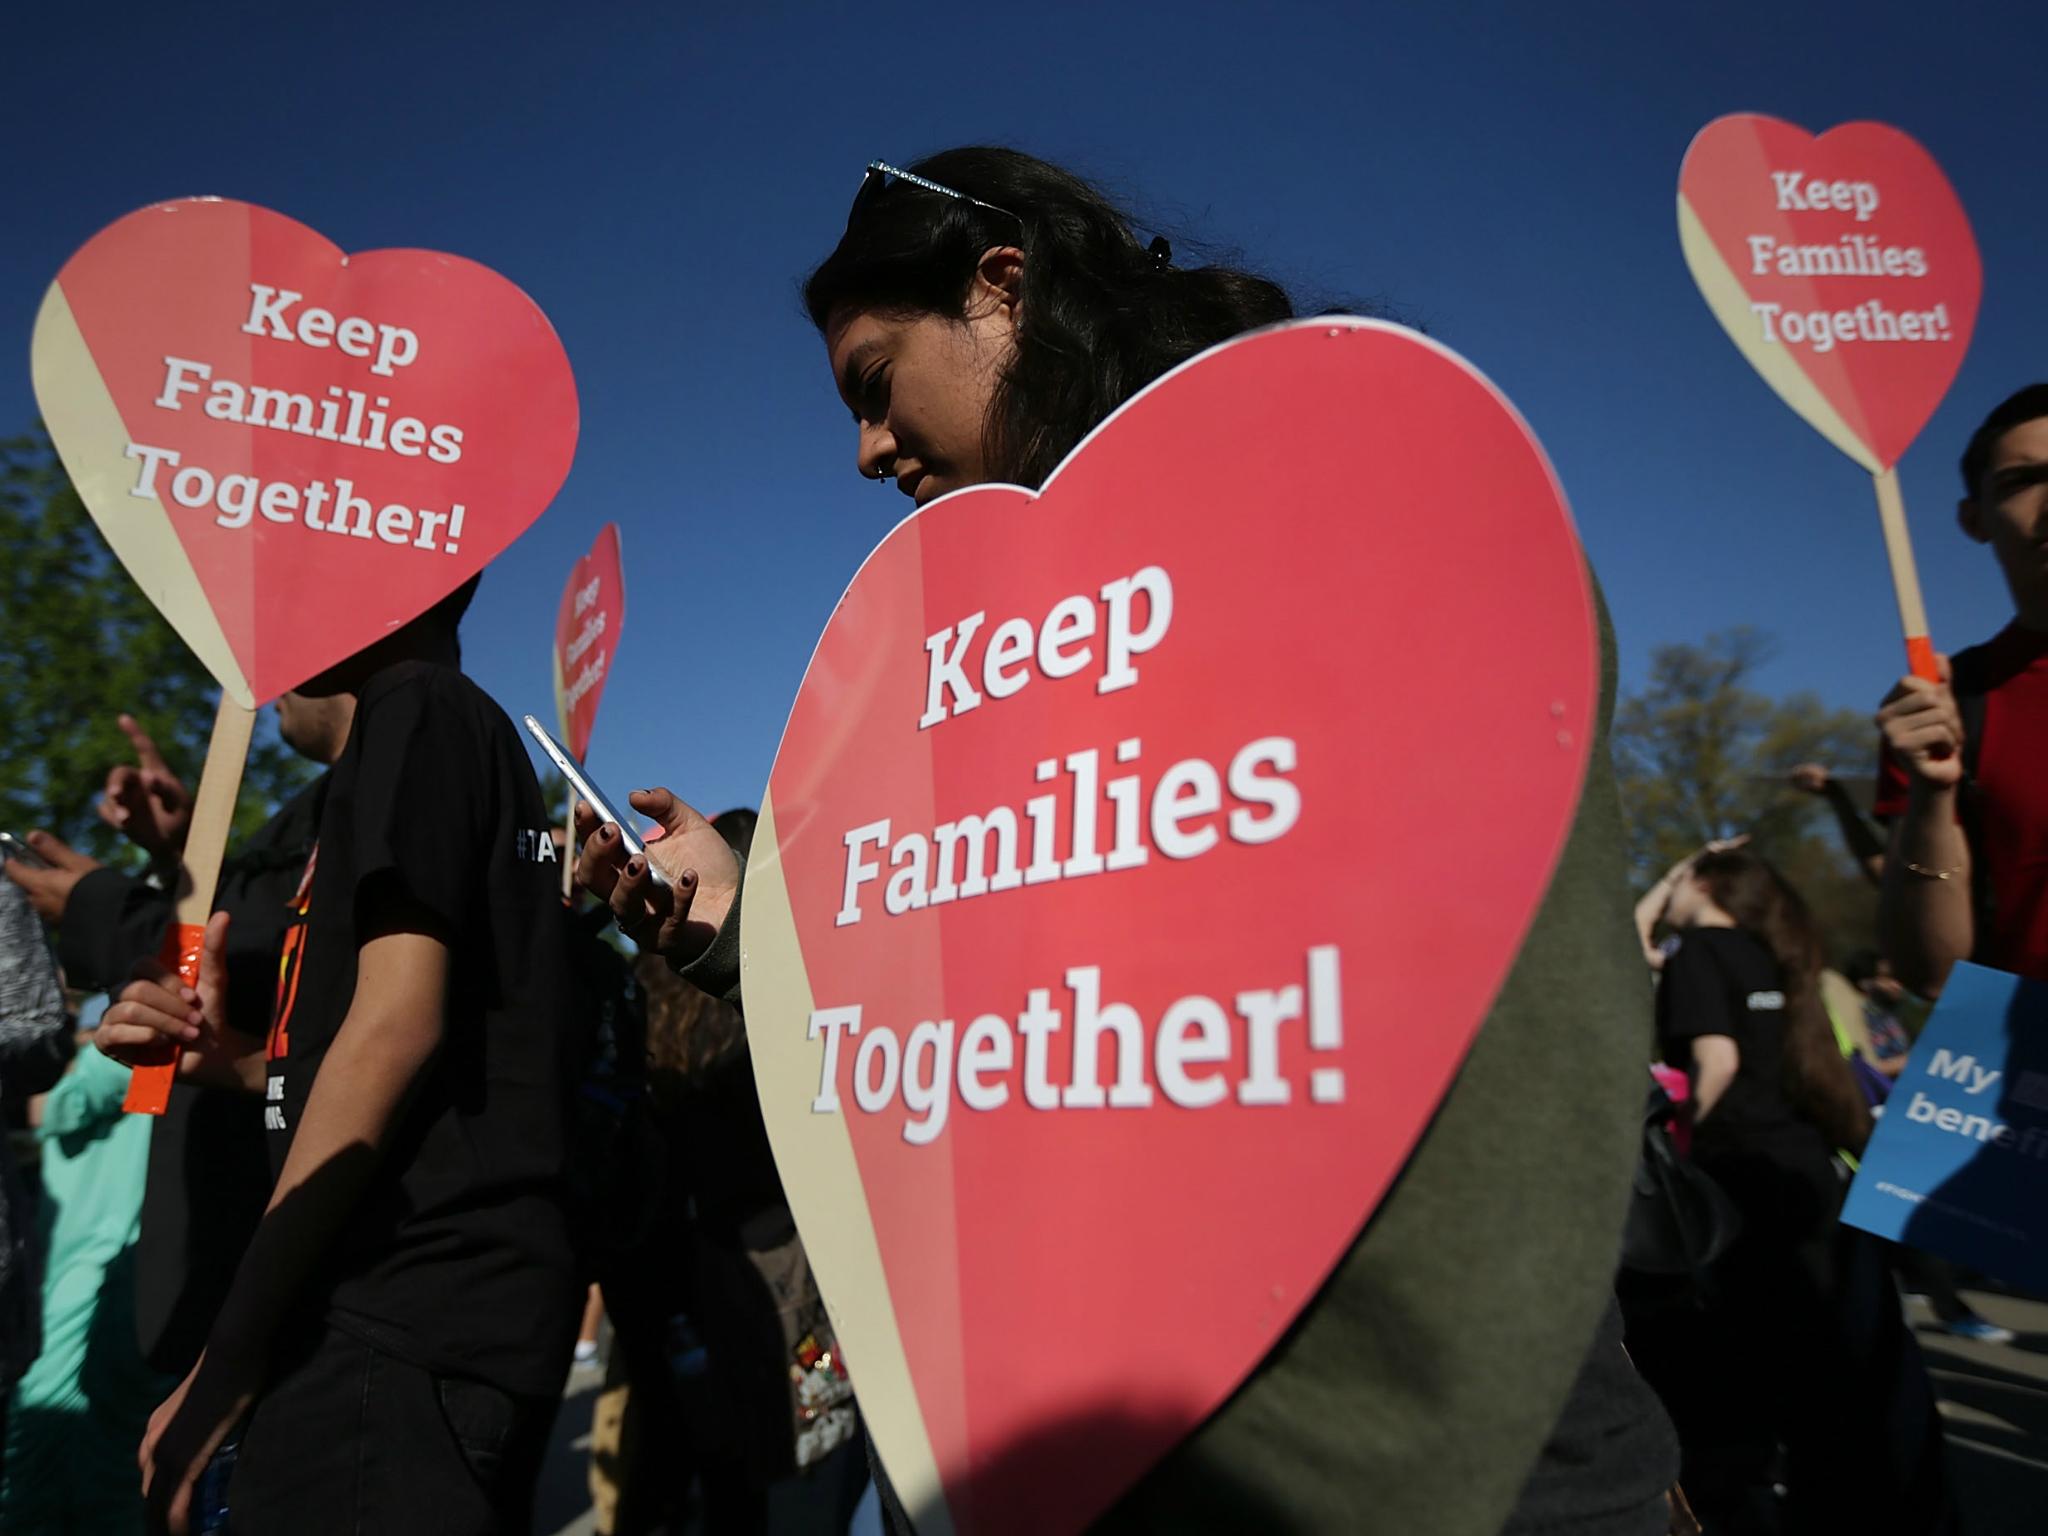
190	1032
634	867
188	994
689	877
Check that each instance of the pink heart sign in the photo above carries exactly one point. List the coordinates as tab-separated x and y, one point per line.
1842	266
587	626
292	450
1139	863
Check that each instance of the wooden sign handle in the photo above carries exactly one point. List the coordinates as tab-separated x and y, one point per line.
1898	548
213	813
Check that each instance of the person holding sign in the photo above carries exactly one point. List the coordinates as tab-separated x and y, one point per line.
402	1322
1802	1343
983	312
208	1177
1960	778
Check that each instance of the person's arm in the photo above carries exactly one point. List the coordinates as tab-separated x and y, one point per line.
51	884
1648	911
1924	920
146	802
694	923
1715	1061
1699	1021
111	921
158	1009
383	1049
1863	841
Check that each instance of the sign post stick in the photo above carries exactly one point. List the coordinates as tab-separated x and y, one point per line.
1898	548
213	813
569	849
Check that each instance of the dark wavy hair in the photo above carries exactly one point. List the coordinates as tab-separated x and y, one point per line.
1818	1081
2015	410
1101	314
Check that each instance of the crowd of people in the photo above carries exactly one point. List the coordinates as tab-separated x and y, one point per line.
423	1106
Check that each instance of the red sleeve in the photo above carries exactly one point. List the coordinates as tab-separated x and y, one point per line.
1892	786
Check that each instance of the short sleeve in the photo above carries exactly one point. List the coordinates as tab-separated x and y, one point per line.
416	811
1693	1000
1893	788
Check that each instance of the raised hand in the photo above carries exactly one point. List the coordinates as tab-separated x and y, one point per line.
158	1009
1924	729
49	890
144	801
678	920
1814	778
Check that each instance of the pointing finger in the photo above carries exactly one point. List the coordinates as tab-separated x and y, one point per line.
146	754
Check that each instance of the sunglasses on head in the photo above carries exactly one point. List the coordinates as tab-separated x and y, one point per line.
880	176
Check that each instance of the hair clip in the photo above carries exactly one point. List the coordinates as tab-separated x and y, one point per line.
1161	252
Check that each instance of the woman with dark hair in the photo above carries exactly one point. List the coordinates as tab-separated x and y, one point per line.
1461	1370
1801	1344
1067	336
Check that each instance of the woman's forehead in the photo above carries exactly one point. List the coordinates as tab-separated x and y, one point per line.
847	328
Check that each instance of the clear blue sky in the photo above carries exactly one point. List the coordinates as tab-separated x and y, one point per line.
660	177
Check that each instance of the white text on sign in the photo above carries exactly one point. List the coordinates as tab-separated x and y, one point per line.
349	418
1854	254
986	852
1200	1052
1059	645
592	630
1094	821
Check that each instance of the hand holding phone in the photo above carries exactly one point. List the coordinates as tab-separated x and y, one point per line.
587	790
12	847
47	869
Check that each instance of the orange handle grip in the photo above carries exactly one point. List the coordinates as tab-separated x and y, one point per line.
1920	658
149	1086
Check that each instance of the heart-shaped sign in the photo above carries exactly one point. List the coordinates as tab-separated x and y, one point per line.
1139	862
1843	267
587	629
292	450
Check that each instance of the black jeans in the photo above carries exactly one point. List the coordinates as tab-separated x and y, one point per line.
350	1441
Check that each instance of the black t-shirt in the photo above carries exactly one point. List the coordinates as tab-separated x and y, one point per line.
208	1177
1726	981
457	1256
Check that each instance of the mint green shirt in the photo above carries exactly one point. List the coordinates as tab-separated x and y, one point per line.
78	1415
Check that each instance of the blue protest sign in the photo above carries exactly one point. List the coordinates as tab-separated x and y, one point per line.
1959	1163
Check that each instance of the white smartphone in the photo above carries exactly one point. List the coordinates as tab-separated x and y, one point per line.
592	796
12	847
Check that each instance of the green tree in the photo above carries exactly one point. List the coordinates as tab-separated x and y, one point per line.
80	644
1701	754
